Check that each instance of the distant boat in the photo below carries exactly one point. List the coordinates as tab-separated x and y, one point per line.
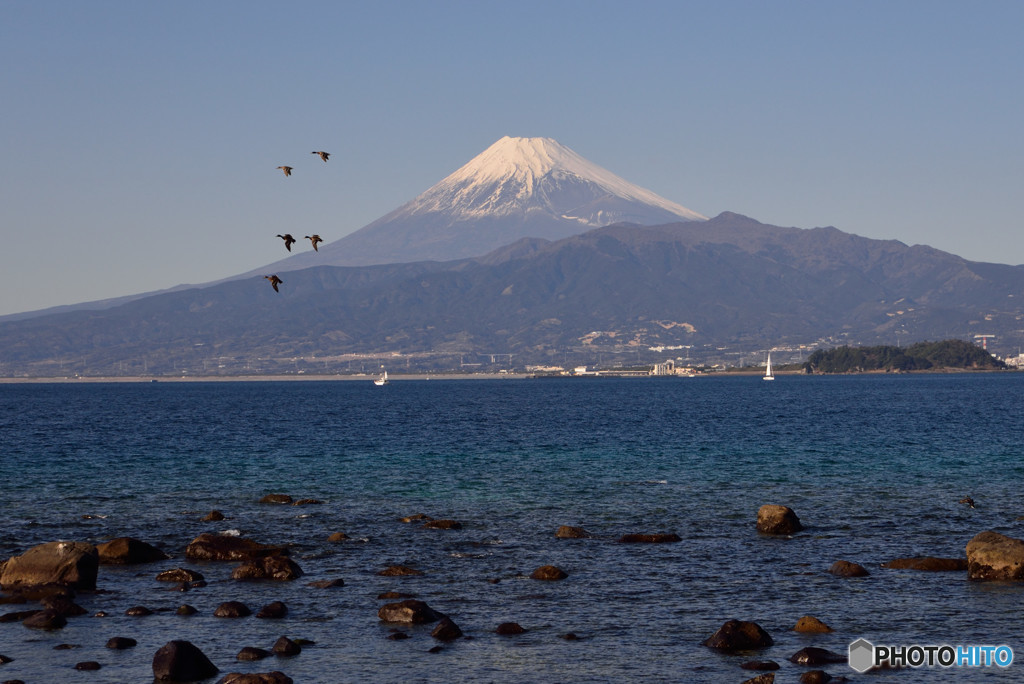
382	380
768	369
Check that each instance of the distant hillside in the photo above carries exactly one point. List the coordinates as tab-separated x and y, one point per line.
916	357
622	293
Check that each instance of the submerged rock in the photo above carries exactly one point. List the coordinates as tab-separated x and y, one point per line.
813	655
399	571
773	519
549	573
928	564
232	609
252	653
273	611
844	568
442	525
45	619
446	630
649	538
993	556
510	629
281	499
570	532
180	575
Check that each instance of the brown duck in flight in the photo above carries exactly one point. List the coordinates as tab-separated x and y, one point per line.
323	155
287	170
314	239
288	240
274	281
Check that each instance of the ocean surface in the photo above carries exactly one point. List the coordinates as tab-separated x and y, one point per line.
874	466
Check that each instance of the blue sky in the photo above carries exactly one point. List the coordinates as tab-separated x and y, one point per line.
140	139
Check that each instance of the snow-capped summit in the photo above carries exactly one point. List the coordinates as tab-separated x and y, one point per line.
516	188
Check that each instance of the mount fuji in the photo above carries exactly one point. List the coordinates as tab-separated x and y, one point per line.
516	188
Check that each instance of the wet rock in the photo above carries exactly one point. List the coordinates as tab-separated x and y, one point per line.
45	619
186	609
337	537
286	647
549	573
307	502
17	615
180	575
221	547
844	568
446	630
232	609
273	611
649	538
773	519
569	636
760	665
399	571
327	584
4	660
812	625
63	606
416	517
65	562
570	532
737	635
128	551
813	655
65	647
281	499
252	653
398	636
815	677
121	643
88	665
993	556
510	629
278	568
181	661
766	678
410	611
138	611
213	516
274	677
391	595
928	564
442	525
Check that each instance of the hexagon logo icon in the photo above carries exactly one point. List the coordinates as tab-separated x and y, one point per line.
862	655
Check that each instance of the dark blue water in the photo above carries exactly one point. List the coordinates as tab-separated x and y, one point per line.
874	466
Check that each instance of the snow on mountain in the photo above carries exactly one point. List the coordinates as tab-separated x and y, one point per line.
516	188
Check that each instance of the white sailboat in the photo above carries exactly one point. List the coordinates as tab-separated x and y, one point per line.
382	380
768	369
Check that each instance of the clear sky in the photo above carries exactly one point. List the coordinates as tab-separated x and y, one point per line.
140	139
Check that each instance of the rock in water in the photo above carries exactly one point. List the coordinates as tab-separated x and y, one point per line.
993	556
128	551
411	611
181	661
64	562
772	519
737	635
268	567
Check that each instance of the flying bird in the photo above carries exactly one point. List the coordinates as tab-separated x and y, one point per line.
967	500
323	155
287	170
274	281
314	239
288	240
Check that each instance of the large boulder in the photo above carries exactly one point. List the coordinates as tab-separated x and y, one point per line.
221	547
773	519
269	567
738	635
69	563
181	661
993	556
128	551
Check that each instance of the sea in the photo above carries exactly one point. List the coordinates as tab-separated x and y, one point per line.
874	466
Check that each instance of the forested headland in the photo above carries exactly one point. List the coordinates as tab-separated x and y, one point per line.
916	357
